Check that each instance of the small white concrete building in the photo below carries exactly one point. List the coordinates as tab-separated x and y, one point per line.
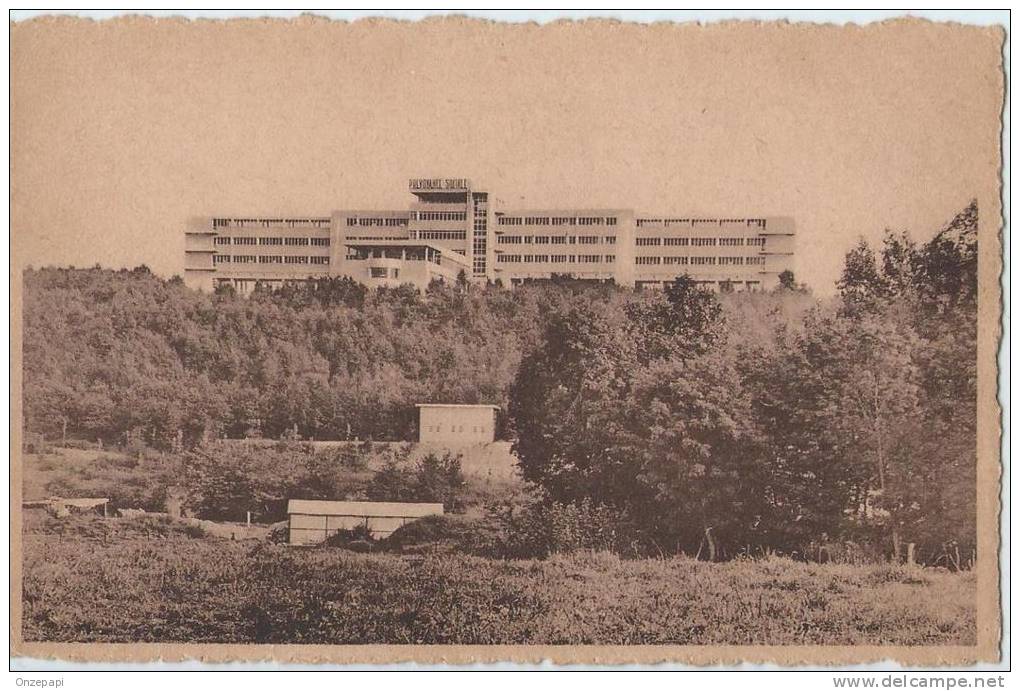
311	521
456	425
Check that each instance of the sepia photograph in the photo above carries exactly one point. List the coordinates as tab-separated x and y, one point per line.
460	340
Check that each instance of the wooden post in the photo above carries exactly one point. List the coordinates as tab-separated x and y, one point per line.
248	518
910	554
711	544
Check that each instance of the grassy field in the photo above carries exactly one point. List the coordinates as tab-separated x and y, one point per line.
162	582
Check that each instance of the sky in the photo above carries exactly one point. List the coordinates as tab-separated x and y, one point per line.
121	130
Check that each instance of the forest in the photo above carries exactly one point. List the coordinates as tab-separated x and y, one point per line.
656	422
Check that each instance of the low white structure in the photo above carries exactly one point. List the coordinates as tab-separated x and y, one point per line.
311	521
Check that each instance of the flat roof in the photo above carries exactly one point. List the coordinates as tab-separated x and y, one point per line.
456	405
370	509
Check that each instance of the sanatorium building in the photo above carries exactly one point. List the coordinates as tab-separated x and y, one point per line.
452	227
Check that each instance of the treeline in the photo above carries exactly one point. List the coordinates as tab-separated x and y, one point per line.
124	357
854	423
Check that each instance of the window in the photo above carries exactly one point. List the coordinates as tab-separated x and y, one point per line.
318	260
755	261
510	239
509	258
703	261
558	240
756	242
610	258
731	261
676	242
509	221
270	259
296	242
610	240
221	259
377	272
611	220
564	221
245	259
222	241
731	242
558	258
588	239
295	260
270	241
320	242
589	258
442	234
703	242
682	261
244	241
439	215
648	261
648	242
541	239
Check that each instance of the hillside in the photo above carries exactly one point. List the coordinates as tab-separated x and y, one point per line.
126	357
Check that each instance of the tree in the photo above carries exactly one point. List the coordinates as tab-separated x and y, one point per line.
439	479
787	281
861	285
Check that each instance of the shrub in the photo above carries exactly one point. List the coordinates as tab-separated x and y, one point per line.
439	479
449	533
279	533
356	539
543	528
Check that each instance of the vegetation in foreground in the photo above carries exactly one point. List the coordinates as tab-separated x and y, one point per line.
185	588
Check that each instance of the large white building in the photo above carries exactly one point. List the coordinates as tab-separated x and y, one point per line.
452	228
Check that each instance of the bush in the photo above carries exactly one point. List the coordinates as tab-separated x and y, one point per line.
447	533
279	533
543	528
358	538
434	479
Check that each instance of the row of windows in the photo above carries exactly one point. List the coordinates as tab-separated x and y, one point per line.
456	429
556	258
267	259
380	222
270	241
442	234
271	222
438	216
700	242
700	261
556	220
556	239
667	222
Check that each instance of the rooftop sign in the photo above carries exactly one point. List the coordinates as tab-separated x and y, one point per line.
439	184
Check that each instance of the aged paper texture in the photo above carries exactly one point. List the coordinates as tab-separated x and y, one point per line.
620	251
